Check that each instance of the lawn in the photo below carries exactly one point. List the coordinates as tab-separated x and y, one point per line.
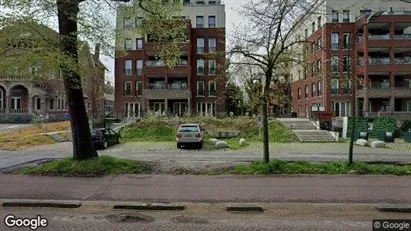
30	136
101	166
301	167
164	130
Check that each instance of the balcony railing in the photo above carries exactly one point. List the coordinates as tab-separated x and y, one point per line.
2	111
404	60
402	36
403	84
380	85
157	63
379	37
379	61
172	86
334	91
19	111
397	13
14	77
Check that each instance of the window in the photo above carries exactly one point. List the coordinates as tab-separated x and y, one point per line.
319	88
334	64
212	67
346	40
299	75
139	67
334	86
319	22
212	45
306	33
212	88
318	66
334	16
211	21
139	21
366	12
306	91
347	87
334	41
127	88
139	88
346	16
299	93
200	45
346	63
128	23
313	89
200	66
199	22
305	73
51	104
313	27
200	88
1	99
139	44
319	44
128	44
128	69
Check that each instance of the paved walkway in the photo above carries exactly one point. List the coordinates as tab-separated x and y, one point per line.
167	188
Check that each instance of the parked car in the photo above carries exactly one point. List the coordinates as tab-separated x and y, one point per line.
190	134
104	137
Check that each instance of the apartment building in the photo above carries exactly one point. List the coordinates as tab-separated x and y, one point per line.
378	58
33	90
143	85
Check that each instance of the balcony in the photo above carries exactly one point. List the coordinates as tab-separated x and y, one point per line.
404	60
379	37
177	90
380	85
379	61
402	36
157	63
151	48
157	69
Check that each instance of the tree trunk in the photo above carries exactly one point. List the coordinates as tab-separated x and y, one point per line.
67	19
265	131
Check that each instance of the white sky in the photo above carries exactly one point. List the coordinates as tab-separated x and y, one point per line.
232	19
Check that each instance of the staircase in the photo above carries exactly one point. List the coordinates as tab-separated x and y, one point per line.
306	130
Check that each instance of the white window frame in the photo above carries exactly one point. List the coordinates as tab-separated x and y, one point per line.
198	88
200	63
138	88
200	45
215	88
15	102
128	44
197	24
131	88
139	43
139	67
212	45
215	21
210	62
128	23
128	61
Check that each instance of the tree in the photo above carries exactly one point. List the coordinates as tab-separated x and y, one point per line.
234	98
264	43
91	23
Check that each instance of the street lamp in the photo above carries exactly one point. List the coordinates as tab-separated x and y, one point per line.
371	18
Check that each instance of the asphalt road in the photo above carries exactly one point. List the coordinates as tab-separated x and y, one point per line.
189	188
199	217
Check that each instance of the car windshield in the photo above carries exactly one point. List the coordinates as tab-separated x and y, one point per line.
188	129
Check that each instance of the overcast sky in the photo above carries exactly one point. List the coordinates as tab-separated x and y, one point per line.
232	19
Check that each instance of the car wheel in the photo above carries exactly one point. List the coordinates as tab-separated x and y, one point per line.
105	144
179	146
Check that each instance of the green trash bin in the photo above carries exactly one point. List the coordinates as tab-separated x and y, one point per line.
407	137
381	135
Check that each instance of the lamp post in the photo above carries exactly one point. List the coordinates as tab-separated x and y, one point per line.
371	18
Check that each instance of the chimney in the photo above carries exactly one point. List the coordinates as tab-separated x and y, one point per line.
97	51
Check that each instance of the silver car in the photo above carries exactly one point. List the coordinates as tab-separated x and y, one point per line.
189	134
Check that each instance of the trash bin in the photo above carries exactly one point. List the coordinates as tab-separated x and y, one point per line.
381	135
361	135
407	137
388	137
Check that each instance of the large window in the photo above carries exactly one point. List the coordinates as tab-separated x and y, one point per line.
334	41
334	16
212	45
346	16
127	88
313	89
139	67
51	104
200	88
212	87
212	67
200	45
128	23
139	44
334	63
319	22
1	99
319	88
306	91
139	88
346	40
211	22
346	63
199	22
299	93
313	27
128	67
128	44
334	86
139	21
200	66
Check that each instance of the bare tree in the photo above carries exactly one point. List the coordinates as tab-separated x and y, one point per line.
265	43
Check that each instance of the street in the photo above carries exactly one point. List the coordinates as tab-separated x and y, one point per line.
287	217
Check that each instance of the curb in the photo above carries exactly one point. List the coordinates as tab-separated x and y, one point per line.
394	208
150	207
48	204
244	209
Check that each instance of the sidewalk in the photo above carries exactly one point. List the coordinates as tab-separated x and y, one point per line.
240	189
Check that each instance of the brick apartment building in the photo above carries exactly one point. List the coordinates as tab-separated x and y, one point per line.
143	85
380	60
29	91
